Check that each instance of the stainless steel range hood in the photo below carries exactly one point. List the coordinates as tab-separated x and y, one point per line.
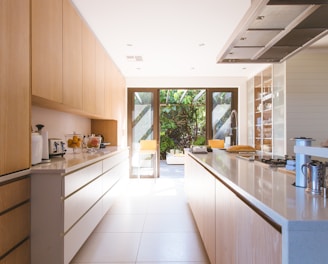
273	30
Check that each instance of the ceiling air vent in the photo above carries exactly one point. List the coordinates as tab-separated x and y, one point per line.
134	58
272	31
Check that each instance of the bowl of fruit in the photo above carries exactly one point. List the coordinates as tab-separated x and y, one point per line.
74	142
93	142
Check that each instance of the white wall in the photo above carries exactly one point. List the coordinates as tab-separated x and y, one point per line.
59	123
202	82
307	97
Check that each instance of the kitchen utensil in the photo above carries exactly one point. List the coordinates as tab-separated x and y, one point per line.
45	142
316	174
36	148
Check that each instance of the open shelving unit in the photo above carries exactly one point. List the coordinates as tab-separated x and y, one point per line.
263	110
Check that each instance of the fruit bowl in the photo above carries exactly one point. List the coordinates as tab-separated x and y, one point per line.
93	142
74	142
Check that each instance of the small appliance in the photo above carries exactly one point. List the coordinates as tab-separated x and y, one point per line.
56	147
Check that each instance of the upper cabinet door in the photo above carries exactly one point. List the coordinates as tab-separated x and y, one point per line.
47	49
89	69
72	56
14	86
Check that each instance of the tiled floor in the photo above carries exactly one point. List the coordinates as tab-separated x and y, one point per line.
150	223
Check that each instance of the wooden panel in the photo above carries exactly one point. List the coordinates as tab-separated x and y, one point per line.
225	225
21	255
257	240
107	128
100	79
14	227
14	86
13	193
109	88
89	69
72	56
47	49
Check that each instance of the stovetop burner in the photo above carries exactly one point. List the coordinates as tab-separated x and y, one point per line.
274	162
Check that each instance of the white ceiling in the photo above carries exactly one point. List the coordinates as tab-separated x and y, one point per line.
173	37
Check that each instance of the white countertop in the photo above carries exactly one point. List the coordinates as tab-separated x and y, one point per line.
71	162
269	190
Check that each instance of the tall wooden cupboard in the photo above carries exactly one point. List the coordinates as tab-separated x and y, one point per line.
14	131
14	86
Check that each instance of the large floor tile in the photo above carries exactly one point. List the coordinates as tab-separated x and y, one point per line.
109	247
122	223
169	223
157	247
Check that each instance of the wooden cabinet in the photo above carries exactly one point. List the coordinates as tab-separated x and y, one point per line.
72	57
200	187
263	93
242	235
67	207
232	231
100	79
14	86
89	69
15	221
47	49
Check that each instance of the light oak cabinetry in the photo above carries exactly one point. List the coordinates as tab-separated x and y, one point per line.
66	207
200	187
100	79
232	230
242	235
89	69
15	221
14	86
71	70
47	49
72	57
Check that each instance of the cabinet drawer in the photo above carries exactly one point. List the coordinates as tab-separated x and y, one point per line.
78	179
14	227
20	255
80	202
76	237
14	193
113	161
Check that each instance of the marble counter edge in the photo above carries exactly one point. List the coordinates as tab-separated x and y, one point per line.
60	165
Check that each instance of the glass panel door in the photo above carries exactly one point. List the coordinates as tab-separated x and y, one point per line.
142	109
224	116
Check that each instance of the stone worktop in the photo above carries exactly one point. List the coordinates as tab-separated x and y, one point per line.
74	161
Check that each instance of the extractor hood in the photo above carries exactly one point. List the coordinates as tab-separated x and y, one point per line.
274	30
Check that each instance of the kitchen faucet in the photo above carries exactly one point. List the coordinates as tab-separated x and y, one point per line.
234	126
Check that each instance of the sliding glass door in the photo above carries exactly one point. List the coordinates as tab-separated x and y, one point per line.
142	121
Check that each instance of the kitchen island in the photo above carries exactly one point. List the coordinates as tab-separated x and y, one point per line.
257	213
69	197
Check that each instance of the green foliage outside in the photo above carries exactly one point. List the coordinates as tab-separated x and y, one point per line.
182	119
